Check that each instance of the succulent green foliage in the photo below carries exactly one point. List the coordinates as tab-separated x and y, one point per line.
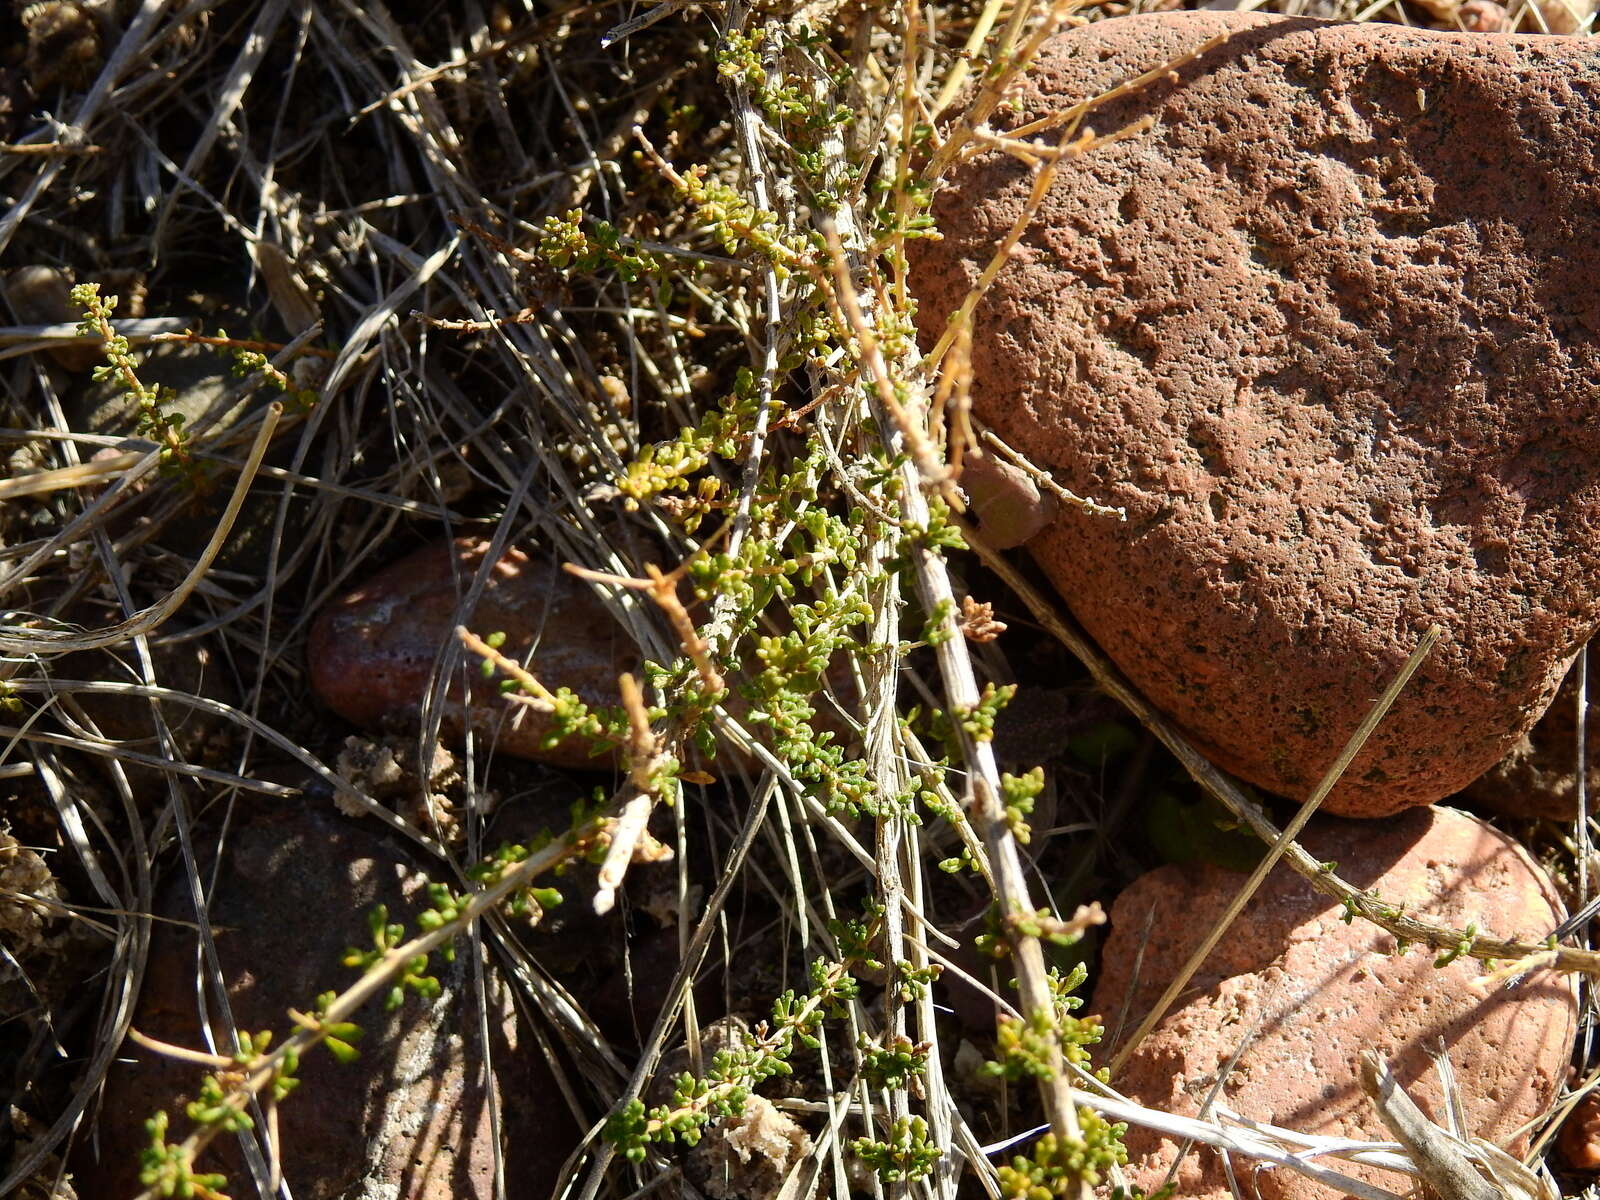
857	938
1057	1166
733	1073
157	417
338	1036
1018	795
211	1107
412	976
907	1152
1025	1045
247	362
169	1170
978	720
570	243
1464	946
913	981
895	1065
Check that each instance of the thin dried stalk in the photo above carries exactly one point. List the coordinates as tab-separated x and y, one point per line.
1282	843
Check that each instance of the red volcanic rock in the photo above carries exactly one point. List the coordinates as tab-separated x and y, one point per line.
1304	993
372	652
1328	331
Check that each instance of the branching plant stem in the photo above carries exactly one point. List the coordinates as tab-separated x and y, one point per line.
984	802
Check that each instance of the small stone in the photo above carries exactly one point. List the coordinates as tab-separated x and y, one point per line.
1006	501
1578	1143
1327	331
1564	16
1539	777
1484	16
372	652
1298	994
407	1120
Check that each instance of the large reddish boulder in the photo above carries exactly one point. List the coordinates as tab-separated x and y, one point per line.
1298	994
1328	332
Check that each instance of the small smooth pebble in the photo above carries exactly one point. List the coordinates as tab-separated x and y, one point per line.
372	652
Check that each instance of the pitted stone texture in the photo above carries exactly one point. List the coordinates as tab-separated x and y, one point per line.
1329	333
1304	993
372	652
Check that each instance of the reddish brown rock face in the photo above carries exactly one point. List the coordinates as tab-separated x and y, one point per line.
372	652
1329	333
1305	994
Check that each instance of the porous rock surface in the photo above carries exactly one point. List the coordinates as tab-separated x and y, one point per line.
412	1117
1304	994
1328	331
372	652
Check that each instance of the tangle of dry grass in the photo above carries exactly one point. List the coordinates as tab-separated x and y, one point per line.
359	194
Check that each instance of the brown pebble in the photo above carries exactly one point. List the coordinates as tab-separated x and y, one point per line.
1006	501
1484	16
372	652
1335	357
1563	16
1578	1143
